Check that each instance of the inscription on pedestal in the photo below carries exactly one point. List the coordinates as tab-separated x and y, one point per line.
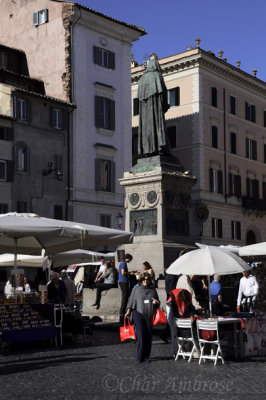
143	222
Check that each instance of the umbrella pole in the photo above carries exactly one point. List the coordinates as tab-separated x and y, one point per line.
15	258
210	299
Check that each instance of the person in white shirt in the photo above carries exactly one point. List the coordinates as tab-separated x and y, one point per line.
26	286
102	269
247	292
9	290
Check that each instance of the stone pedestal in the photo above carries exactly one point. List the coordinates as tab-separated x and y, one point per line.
157	203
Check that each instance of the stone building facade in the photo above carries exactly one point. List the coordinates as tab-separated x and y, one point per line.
33	142
83	57
217	128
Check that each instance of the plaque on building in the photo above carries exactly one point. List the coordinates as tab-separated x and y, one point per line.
177	222
143	222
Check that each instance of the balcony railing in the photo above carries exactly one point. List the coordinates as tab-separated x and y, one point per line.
253	204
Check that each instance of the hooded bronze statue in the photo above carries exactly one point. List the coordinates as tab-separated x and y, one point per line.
152	95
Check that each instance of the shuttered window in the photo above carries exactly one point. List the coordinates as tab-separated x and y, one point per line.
217	228
6	133
104	113
216	181
40	17
232	105
214	96
250	112
251	149
214	137
253	188
174	97
104	175
235	185
235	230
104	58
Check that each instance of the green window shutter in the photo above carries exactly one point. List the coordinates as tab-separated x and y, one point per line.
96	55
220	228
97	174
9	171
112	115
98	111
211	179
28	110
254	145
238	185
231	185
220	182
232	230
113	177
253	113
247	147
111	60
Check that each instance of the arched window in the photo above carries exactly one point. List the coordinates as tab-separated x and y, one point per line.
21	157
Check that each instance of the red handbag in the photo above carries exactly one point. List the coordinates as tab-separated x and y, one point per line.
159	317
127	331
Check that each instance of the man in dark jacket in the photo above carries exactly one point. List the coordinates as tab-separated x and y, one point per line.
56	290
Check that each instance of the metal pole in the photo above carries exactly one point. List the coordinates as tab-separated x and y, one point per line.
210	299
15	254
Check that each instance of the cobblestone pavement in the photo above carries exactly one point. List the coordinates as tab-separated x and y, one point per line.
106	369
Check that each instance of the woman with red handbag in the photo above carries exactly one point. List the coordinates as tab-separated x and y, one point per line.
144	298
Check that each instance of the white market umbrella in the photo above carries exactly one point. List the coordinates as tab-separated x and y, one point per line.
23	260
258	249
30	233
208	261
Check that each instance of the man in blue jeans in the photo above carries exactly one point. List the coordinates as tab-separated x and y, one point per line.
124	283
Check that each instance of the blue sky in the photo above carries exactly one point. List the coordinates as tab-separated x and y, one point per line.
237	27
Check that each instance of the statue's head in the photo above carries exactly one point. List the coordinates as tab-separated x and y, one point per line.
153	56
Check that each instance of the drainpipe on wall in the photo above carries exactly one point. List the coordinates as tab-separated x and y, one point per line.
69	112
225	166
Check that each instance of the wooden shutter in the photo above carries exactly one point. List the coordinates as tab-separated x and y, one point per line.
232	230
233	143
253	113
254	146
220	228
231	184
96	55
238	185
136	106
214	97
112	114
28	110
247	116
113	177
238	230
255	183
98	111
177	96
98	174
248	187
264	119
45	15
220	181
9	171
213	227
247	147
211	179
111	60
214	136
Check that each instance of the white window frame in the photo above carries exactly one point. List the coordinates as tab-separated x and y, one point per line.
40	17
21	111
3	162
57	118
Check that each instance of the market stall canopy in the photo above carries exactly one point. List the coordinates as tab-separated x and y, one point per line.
23	260
30	233
253	250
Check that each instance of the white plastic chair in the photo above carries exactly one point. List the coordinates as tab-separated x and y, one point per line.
185	323
209	326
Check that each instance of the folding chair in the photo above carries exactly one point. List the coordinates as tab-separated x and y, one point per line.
185	341
209	326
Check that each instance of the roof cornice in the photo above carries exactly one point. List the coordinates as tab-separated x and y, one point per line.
201	58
